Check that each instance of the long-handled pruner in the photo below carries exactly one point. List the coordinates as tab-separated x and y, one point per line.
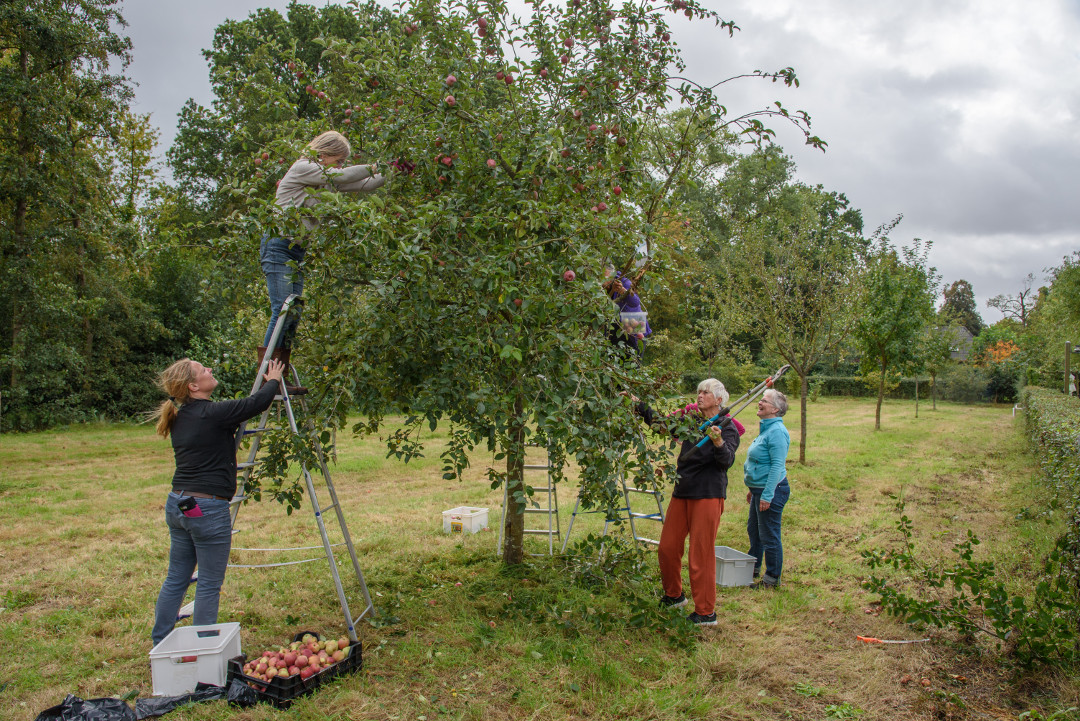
725	416
871	639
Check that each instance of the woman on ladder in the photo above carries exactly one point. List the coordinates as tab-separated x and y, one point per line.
197	509
281	258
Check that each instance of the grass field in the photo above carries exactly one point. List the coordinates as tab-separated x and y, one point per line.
83	551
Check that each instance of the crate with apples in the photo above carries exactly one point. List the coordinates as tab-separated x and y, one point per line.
281	674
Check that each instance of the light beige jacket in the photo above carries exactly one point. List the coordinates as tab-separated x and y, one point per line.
305	174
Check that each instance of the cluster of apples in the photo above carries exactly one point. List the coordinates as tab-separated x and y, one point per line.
305	658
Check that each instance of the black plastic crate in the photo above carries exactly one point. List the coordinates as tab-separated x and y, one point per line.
281	692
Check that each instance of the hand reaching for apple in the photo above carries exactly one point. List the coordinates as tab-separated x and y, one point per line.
404	166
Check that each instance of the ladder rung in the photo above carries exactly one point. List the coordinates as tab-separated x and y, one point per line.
652	516
185	611
642	490
549	511
245	465
542	489
253	431
647	540
540	531
529	467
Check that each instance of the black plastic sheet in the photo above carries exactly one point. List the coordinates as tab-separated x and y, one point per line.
161	705
74	708
240	694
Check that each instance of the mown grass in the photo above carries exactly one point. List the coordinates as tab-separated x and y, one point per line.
83	551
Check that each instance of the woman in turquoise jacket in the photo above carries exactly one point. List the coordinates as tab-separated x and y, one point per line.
765	474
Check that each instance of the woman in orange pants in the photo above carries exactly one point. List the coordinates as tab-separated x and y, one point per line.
697	502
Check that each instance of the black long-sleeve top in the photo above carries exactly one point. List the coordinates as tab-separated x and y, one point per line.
702	471
203	439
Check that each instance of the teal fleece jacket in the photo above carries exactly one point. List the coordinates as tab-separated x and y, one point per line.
764	467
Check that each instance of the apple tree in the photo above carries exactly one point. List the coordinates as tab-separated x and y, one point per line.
897	305
793	276
467	292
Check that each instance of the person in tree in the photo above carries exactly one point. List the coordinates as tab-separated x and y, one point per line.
203	485
697	503
631	331
295	190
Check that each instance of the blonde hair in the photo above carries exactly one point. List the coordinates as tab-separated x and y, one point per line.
331	144
173	380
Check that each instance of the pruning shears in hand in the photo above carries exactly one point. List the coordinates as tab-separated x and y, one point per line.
724	416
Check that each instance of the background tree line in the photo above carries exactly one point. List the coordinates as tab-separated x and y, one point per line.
108	273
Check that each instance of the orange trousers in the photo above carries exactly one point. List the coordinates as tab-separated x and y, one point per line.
698	518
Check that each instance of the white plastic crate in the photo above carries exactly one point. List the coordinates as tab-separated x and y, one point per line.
464	519
733	568
192	654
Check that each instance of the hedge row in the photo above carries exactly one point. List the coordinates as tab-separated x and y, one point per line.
1053	428
964	384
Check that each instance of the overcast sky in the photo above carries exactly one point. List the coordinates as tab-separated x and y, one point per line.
962	115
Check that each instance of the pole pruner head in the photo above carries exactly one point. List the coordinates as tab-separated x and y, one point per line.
776	376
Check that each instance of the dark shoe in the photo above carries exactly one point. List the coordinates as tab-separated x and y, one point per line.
698	620
669	602
282	354
766	581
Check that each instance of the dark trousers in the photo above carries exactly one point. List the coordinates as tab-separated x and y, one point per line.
763	528
280	260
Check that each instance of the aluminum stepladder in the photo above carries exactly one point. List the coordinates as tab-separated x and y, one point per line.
552	531
722	418
245	468
628	509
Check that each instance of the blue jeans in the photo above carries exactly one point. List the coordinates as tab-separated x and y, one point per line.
763	528
204	541
275	254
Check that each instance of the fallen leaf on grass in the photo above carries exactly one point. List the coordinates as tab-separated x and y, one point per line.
905	680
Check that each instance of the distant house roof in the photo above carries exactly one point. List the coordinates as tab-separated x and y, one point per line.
960	342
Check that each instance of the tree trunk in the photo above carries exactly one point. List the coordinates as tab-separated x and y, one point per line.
880	396
514	518
933	389
916	396
804	390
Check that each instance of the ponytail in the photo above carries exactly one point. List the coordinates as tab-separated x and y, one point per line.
173	380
